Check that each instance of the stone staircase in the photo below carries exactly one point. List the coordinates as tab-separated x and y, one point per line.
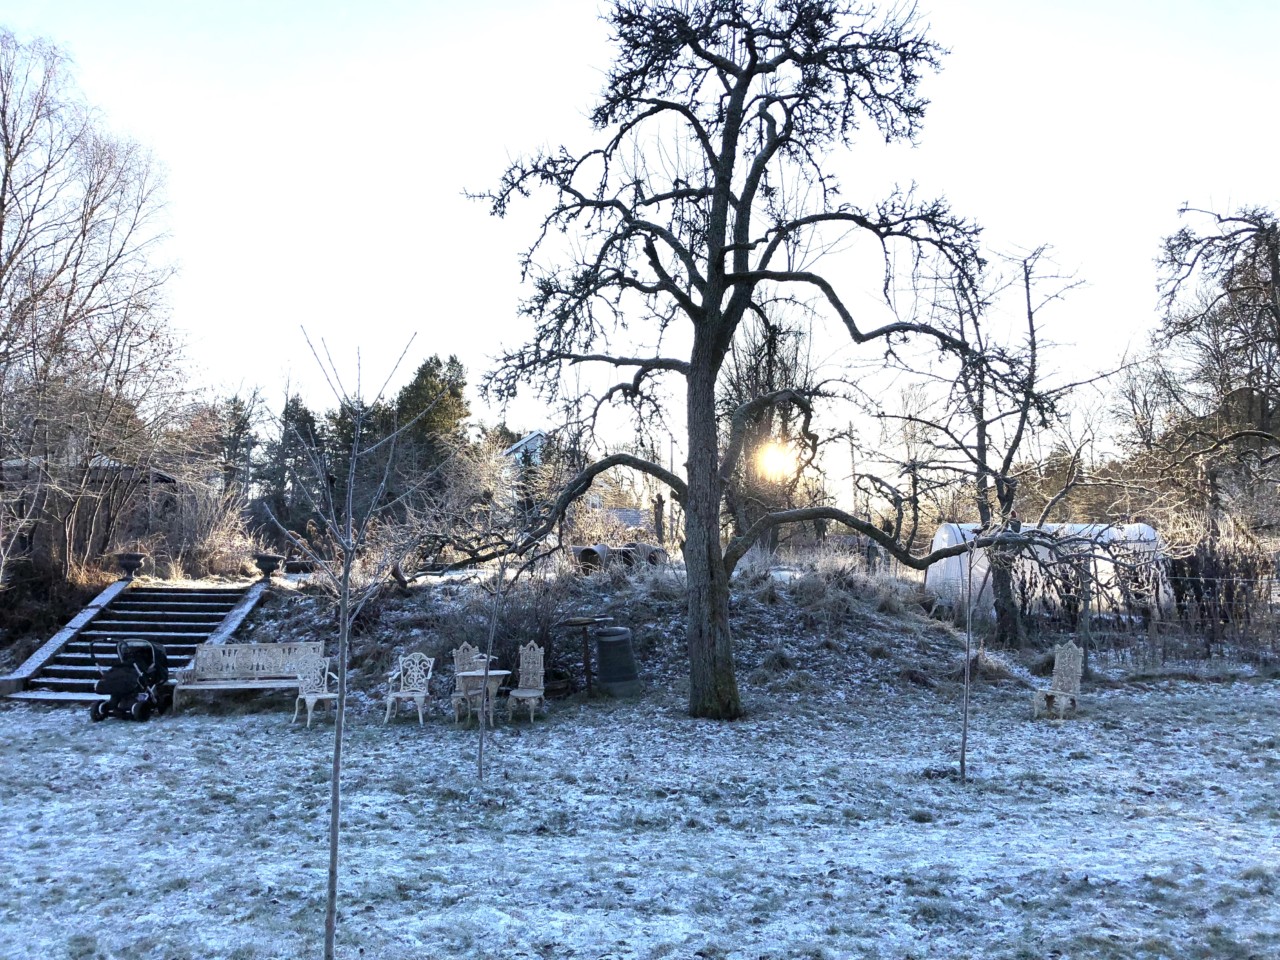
177	618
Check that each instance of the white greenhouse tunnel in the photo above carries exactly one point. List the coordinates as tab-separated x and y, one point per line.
969	574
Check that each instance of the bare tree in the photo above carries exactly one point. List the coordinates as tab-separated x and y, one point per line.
479	513
708	197
1200	415
87	364
973	429
1221	292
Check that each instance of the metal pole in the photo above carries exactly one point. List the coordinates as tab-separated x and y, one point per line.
968	647
671	505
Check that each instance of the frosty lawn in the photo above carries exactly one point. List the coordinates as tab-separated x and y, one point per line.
1146	828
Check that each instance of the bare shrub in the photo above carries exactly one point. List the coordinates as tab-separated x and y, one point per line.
832	594
755	568
795	681
822	602
769	594
985	666
530	610
591	525
91	578
889	601
778	661
662	584
38	602
205	536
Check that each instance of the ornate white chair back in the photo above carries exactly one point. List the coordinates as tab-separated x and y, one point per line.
313	675
1068	663
415	672
464	658
531	666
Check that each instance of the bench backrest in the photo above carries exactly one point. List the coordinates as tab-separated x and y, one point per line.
251	661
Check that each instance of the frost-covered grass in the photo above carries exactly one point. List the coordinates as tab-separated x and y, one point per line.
826	824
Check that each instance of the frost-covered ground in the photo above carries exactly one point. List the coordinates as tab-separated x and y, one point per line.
821	826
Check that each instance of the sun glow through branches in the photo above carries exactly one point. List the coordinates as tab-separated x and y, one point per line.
775	461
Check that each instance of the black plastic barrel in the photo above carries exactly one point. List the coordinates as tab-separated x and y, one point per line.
617	674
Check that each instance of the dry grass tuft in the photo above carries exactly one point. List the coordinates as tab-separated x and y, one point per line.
778	661
769	594
823	602
984	666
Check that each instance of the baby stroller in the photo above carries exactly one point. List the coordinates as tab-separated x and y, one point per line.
136	684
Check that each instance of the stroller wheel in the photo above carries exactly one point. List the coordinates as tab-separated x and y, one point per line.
140	711
98	710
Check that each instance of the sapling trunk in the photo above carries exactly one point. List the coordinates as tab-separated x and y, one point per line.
335	778
495	614
968	666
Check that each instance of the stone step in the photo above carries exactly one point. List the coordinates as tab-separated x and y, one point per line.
107	655
60	671
68	684
113	615
179	594
81	676
176	603
108	647
153	616
149	613
121	628
161	636
61	697
172	606
63	684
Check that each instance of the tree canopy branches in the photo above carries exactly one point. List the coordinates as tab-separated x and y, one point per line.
759	92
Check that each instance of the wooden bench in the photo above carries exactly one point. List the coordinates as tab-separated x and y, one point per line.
244	666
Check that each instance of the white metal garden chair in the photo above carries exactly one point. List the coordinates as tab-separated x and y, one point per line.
465	658
414	676
1063	695
530	689
313	685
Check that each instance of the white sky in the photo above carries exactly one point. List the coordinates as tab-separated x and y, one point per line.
317	151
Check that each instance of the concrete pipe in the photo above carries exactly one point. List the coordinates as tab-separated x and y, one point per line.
591	558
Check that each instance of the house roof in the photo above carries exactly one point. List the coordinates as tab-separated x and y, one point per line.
531	441
99	463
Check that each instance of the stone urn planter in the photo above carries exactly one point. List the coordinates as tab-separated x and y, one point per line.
268	563
130	563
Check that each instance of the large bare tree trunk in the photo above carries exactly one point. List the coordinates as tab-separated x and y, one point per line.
1010	630
713	687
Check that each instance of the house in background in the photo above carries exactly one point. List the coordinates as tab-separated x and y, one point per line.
612	511
528	449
